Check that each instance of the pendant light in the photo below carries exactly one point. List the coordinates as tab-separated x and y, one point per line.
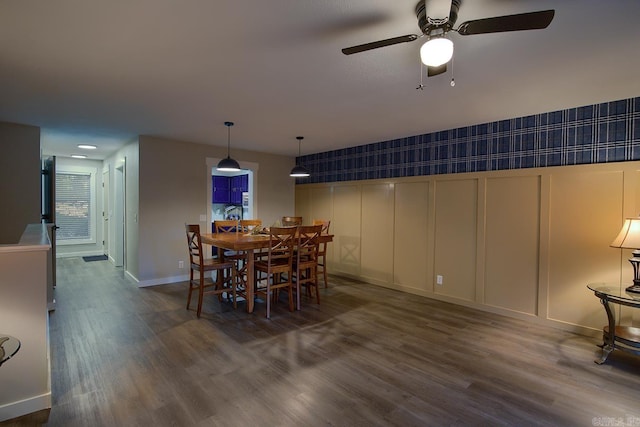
228	164
299	171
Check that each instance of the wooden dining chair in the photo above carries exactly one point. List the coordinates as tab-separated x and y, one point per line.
288	221
305	262
322	250
276	270
239	257
225	271
247	226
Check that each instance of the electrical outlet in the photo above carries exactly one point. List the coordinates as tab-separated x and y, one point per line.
438	280
180	264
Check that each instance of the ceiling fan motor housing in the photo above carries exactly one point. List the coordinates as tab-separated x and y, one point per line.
439	25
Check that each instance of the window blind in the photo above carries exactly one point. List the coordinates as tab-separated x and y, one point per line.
73	206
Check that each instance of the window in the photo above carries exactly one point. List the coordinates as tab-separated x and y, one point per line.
75	206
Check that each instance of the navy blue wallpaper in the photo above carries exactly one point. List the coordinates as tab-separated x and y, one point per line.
608	132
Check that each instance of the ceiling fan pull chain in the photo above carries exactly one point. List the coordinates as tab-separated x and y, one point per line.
420	86
453	81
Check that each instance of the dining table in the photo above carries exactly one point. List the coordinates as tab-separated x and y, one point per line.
249	243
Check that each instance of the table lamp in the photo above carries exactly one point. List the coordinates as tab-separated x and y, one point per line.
629	238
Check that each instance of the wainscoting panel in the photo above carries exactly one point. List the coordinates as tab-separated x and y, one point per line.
455	237
586	215
304	203
322	208
321	204
377	232
411	237
512	243
346	222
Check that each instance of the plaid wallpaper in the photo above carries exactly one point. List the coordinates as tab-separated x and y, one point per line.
608	132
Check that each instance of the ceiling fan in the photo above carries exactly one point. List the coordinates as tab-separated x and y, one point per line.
438	49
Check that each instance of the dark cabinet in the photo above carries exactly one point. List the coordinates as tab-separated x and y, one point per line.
239	184
221	186
229	189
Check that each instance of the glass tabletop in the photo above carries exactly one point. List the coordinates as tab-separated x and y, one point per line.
616	291
8	347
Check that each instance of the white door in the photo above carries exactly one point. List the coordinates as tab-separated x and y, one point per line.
118	223
106	213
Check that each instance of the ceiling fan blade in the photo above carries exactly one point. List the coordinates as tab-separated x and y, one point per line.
381	43
499	24
434	71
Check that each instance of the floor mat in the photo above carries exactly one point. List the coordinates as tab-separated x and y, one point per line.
95	258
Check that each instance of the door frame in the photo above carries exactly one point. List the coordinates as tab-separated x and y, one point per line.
211	163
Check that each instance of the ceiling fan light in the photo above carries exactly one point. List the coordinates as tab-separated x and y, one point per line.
299	171
436	51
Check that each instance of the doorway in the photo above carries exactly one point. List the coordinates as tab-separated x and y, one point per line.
247	205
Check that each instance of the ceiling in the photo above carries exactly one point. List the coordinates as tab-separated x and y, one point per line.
104	72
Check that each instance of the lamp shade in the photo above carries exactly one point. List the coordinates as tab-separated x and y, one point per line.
228	165
299	172
436	51
629	236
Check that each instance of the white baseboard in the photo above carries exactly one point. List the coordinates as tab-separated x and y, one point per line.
24	407
78	254
162	281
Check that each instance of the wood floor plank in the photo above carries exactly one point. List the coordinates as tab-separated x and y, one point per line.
367	356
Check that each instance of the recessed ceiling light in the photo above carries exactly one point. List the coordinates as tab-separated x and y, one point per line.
87	147
78	156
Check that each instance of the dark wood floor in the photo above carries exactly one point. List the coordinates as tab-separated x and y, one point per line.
368	356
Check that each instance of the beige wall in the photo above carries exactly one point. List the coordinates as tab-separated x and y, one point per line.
173	177
523	243
19	179
25	380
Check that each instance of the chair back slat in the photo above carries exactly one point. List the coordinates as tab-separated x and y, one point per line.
281	244
225	226
307	244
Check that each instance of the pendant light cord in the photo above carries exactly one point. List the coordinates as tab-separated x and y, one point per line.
228	125
299	138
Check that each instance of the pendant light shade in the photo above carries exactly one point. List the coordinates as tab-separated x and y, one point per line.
299	171
228	164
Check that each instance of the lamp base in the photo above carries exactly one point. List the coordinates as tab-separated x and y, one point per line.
635	262
635	288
